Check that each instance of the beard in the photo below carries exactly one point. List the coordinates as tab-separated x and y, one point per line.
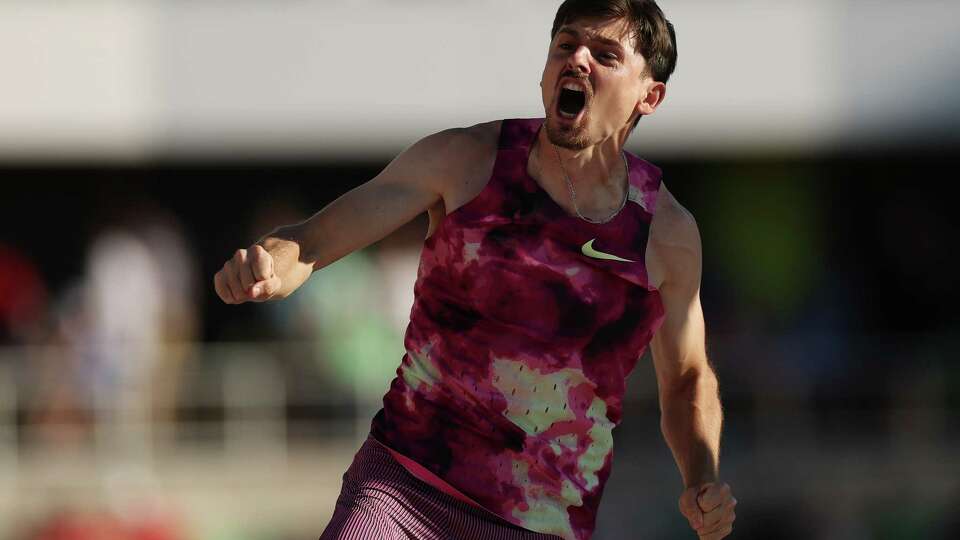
573	137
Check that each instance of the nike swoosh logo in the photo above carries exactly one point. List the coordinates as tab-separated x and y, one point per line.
588	250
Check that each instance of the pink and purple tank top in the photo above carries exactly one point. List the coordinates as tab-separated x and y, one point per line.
525	324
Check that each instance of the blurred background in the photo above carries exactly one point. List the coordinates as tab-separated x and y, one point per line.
141	143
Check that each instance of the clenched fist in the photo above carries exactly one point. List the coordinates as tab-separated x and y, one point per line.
709	509
247	277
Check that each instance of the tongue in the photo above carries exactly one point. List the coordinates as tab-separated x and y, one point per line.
571	101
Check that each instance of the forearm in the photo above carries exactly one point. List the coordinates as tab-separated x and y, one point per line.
691	421
351	222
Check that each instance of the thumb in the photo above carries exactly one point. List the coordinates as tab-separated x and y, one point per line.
265	289
261	262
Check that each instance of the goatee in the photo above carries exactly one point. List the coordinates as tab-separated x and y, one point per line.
569	137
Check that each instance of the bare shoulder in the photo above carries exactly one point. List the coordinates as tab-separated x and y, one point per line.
447	162
466	157
454	147
471	147
673	224
476	138
674	250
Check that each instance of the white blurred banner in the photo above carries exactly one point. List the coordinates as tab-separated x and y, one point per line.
123	80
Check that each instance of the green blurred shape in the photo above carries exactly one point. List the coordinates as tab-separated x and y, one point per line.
764	227
359	345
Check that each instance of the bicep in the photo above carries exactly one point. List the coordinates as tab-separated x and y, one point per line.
413	182
408	186
678	347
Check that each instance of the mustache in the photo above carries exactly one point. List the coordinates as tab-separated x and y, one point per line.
582	77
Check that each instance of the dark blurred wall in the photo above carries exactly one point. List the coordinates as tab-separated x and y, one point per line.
786	241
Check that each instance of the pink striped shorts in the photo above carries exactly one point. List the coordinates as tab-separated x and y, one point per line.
381	500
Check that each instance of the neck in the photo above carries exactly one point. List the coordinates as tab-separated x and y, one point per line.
597	174
597	167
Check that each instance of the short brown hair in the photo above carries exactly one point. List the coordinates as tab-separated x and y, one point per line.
653	33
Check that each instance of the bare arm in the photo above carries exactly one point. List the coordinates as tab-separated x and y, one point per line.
283	260
691	414
409	185
690	407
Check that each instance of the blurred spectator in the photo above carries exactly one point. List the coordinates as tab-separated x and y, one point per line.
121	336
140	294
60	406
179	318
23	297
124	297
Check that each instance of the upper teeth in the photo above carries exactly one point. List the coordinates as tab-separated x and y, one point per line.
573	86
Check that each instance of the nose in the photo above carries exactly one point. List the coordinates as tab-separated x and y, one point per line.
579	60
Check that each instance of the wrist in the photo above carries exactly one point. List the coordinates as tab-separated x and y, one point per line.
701	467
282	235
701	480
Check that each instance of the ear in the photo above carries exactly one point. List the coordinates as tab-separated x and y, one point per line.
652	98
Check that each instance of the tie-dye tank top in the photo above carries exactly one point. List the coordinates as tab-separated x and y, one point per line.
525	324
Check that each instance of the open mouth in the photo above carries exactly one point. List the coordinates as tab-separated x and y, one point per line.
571	101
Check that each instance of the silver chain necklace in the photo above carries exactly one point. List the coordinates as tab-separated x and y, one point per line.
573	193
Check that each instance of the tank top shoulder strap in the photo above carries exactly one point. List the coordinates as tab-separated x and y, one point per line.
645	181
513	150
518	134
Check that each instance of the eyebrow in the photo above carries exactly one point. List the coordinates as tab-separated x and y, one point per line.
592	37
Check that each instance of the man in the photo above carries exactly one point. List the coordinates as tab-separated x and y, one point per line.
552	259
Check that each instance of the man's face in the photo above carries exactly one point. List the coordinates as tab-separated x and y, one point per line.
593	82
